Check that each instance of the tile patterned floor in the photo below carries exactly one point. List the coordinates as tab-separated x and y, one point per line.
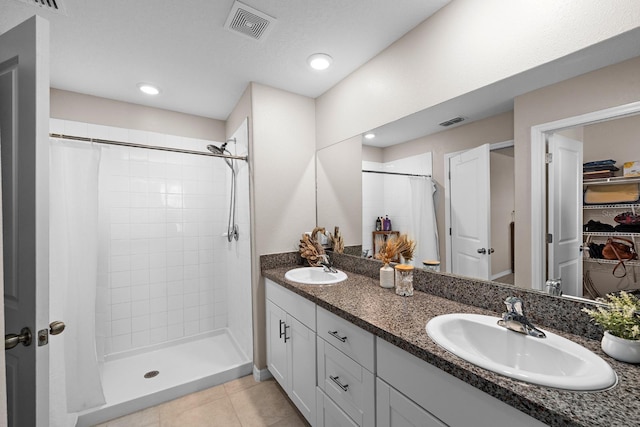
238	403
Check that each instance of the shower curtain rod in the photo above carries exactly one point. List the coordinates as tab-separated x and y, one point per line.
151	147
396	173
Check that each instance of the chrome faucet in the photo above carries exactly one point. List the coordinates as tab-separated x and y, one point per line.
515	319
554	287
327	265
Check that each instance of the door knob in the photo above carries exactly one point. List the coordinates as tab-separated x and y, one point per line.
12	340
56	327
482	251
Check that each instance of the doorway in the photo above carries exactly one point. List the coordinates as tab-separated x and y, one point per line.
480	222
540	220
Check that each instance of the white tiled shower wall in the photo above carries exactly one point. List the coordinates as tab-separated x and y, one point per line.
163	255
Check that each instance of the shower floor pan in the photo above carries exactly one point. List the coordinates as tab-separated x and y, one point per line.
184	366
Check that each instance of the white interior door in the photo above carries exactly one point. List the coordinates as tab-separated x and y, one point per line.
24	123
470	213
565	213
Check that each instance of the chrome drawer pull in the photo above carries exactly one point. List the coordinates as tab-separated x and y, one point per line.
336	336
281	332
336	380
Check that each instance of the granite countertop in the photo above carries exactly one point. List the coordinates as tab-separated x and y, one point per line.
401	321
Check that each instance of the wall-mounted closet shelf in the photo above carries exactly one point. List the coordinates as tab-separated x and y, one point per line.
611	261
610	234
611	181
616	206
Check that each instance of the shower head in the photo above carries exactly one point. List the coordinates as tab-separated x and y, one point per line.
222	151
216	150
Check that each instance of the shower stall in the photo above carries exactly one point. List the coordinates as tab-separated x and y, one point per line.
151	268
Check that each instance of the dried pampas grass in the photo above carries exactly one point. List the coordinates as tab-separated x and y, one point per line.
397	246
337	242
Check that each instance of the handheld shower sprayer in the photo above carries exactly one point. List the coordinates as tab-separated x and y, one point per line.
232	227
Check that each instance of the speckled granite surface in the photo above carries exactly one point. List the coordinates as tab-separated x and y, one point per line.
401	321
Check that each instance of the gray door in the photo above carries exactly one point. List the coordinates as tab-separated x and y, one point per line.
24	127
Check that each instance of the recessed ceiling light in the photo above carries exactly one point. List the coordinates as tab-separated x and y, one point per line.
319	61
149	89
369	135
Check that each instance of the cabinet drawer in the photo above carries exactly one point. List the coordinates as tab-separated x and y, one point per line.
297	306
347	383
329	414
394	409
353	341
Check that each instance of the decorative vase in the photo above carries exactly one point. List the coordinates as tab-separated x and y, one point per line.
386	276
404	280
620	348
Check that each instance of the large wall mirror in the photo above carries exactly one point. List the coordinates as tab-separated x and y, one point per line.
351	198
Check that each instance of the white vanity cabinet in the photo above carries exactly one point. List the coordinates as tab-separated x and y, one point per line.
291	346
345	368
433	397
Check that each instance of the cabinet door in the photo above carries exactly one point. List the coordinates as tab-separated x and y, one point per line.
301	352
329	414
396	410
276	347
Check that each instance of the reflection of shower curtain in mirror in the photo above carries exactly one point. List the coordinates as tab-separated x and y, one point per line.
423	220
74	374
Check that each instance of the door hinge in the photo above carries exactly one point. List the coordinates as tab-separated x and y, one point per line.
548	158
450	231
549	238
449	175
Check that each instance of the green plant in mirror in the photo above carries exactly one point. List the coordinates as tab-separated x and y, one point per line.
620	315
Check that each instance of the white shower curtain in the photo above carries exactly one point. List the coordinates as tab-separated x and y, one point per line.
423	220
75	376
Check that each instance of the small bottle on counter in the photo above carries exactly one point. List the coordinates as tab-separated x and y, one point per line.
378	224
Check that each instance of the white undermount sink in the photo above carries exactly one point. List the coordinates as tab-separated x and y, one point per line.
315	276
553	361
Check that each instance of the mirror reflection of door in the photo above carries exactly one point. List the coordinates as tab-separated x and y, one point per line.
470	226
467	196
564	181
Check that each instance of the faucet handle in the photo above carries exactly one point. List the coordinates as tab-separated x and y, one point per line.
514	305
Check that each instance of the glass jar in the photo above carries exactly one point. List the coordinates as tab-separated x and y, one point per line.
430	264
404	280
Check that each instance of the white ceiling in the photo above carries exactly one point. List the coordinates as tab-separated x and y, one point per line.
104	48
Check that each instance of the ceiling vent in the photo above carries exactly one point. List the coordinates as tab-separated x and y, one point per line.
452	121
249	22
51	5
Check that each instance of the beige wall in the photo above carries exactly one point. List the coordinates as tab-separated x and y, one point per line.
92	109
491	130
608	87
614	139
339	179
372	154
502	205
465	46
283	178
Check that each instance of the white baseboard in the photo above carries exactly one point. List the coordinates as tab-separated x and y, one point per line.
261	374
501	274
